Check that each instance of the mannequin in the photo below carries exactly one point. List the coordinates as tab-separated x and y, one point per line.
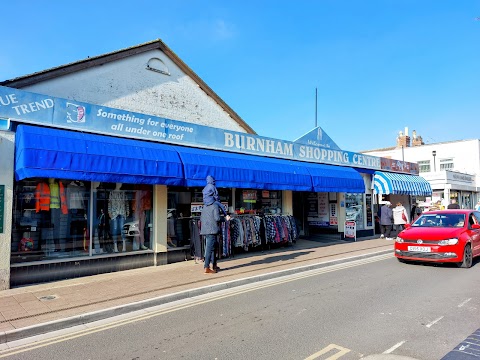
118	211
77	215
142	203
50	198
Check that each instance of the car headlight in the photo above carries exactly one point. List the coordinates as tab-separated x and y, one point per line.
452	241
399	239
133	226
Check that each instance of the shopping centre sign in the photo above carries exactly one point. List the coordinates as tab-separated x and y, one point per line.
22	106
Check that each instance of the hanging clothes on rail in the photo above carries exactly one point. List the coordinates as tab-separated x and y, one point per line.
245	231
280	228
195	240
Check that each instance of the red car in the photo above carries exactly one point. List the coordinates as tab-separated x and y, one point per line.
441	236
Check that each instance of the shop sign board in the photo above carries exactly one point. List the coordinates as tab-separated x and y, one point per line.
351	230
2	207
249	196
23	106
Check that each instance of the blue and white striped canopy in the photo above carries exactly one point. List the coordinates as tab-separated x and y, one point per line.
392	183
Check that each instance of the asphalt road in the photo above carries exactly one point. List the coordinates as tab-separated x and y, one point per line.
344	312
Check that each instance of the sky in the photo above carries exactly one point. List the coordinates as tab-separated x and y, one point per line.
363	70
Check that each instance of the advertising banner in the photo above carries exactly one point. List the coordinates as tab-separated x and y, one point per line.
316	147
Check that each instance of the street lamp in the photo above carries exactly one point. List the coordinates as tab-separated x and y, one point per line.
434	153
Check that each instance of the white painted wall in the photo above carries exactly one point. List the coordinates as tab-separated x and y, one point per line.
465	155
7	151
127	84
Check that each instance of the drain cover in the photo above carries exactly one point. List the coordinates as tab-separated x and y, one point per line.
48	297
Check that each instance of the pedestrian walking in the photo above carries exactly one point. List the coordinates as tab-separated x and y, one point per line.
477	207
400	217
453	205
386	217
418	212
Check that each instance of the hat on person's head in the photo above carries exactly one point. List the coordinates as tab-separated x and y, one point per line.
210	179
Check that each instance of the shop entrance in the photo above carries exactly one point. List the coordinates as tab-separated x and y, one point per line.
315	213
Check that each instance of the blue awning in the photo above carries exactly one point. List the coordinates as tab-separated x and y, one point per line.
393	183
45	152
330	178
232	170
63	154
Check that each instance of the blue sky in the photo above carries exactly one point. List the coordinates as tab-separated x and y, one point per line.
379	65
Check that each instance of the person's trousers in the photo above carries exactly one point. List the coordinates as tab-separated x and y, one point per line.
209	250
386	230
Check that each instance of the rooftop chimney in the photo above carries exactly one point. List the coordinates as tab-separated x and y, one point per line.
403	141
417	139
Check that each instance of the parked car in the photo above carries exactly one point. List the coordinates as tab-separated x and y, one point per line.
444	236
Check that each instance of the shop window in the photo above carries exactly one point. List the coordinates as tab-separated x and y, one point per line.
446	164
50	219
424	166
123	218
258	201
354	206
184	209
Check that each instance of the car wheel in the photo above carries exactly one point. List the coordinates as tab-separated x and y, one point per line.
467	257
402	260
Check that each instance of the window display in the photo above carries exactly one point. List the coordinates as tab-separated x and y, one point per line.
354	209
51	219
258	201
123	217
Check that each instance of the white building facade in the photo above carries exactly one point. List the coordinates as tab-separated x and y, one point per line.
104	161
452	169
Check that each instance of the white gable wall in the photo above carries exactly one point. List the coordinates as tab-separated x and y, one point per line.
127	84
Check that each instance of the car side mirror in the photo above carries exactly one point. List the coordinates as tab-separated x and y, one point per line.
476	226
407	226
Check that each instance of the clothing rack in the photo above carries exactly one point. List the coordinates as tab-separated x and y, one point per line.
246	231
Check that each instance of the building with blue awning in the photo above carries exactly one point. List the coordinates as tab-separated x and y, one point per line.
111	178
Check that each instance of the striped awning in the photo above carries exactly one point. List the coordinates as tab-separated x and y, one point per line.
392	183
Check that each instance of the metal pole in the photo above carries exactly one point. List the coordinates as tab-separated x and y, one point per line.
316	107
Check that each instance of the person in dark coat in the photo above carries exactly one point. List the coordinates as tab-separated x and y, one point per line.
210	194
453	205
386	217
210	217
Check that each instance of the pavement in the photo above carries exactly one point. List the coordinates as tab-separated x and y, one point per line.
38	309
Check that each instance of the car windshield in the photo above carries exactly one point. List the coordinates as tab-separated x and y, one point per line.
440	220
